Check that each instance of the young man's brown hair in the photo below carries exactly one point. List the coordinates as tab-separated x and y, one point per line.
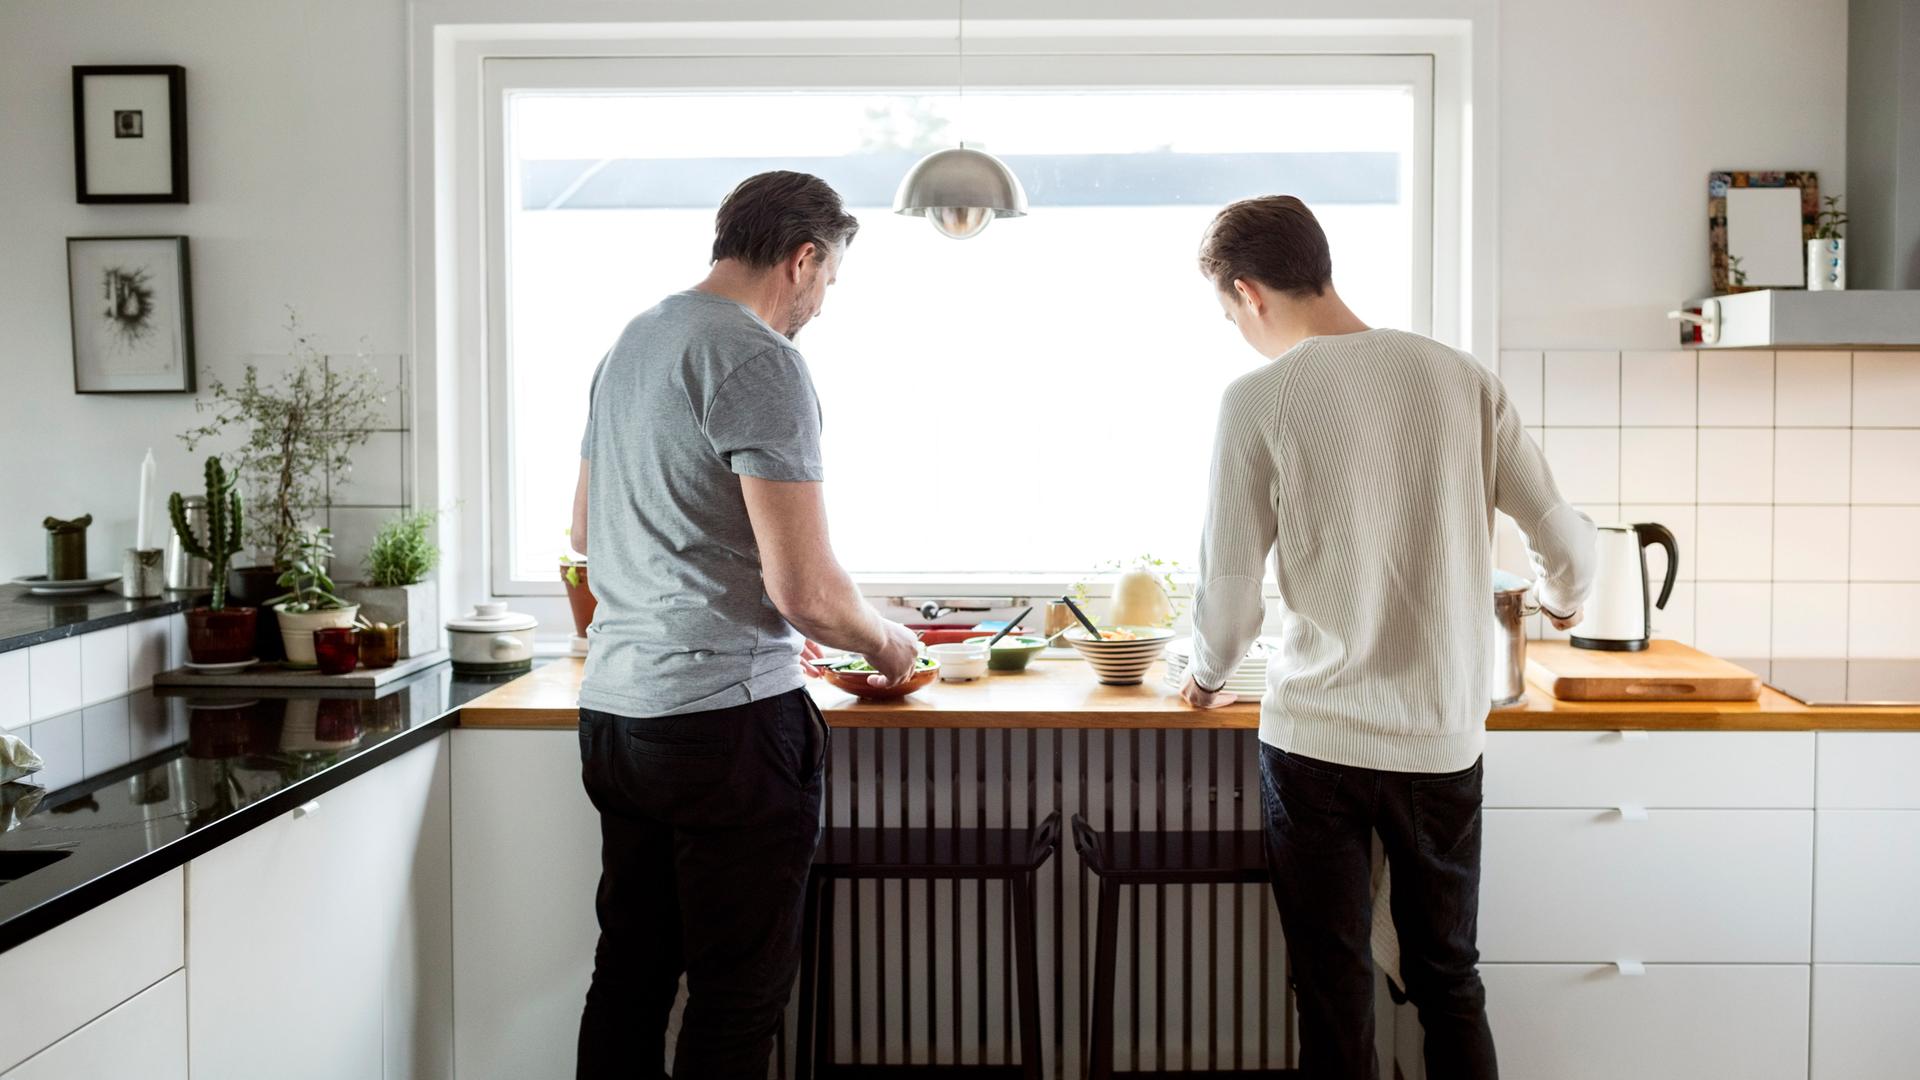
1274	240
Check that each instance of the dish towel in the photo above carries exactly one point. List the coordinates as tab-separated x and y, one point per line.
1386	942
17	759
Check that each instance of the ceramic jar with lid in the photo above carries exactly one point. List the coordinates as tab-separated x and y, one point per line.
490	640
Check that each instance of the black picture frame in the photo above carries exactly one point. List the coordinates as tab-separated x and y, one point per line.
86	381
176	76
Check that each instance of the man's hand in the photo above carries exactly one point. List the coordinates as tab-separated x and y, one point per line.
1201	698
809	658
1563	622
893	660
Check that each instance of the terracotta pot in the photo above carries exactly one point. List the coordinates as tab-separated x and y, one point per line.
221	637
579	597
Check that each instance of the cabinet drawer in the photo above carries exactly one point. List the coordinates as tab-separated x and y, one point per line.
1673	1022
145	1037
61	980
1863	1020
1869	770
1866	873
1693	886
1732	769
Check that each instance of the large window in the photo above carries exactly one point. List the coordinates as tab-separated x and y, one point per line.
1021	405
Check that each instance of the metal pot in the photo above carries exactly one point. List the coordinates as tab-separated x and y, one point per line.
1513	601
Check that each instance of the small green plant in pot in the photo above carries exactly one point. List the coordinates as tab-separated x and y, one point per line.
396	591
310	603
216	633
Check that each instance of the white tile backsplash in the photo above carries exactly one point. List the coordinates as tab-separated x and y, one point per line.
1582	388
176	641
1736	465
1886	543
1521	373
1809	620
1886	467
1736	388
1882	620
1810	543
1886	389
146	652
1675	621
1733	619
1657	389
1813	389
13	690
53	673
1657	464
107	744
1585	463
103	664
1736	543
1810	465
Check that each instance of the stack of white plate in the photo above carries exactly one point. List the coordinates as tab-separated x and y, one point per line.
1121	661
1248	682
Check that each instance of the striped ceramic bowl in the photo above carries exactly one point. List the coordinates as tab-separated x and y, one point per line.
1121	661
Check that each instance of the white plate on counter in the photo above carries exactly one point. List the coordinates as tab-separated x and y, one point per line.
40	586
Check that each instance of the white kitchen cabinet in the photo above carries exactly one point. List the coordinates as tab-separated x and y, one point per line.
1679	769
1869	770
1685	886
311	939
145	1037
1670	1022
1863	1021
526	861
1866	873
63	979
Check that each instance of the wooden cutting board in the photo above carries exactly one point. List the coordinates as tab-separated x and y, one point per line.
1664	671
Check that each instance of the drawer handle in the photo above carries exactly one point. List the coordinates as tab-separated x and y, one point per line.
1630	967
1632	735
1632	813
306	809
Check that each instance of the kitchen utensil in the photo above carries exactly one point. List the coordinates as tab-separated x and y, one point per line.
1512	602
1618	616
491	640
1010	625
1664	671
184	571
1092	631
336	650
960	661
1012	654
1058	618
67	547
1122	661
855	682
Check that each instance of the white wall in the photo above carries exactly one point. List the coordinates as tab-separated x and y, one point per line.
297	133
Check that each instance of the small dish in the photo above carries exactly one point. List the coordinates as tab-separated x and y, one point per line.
39	585
1013	652
960	661
851	676
221	669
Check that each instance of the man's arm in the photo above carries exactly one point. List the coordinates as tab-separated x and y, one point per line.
807	584
1228	607
1560	539
578	534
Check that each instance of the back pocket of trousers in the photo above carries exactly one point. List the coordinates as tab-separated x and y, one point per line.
1446	814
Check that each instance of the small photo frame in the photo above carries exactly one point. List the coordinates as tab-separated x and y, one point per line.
130	134
131	302
1758	225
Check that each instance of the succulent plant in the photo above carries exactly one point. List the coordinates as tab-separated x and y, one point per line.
225	525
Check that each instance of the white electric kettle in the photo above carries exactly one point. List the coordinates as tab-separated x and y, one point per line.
1619	617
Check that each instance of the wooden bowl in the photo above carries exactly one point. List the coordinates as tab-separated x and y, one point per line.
855	683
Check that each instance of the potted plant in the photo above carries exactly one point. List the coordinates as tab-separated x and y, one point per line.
216	633
396	591
310	603
299	433
573	574
1827	251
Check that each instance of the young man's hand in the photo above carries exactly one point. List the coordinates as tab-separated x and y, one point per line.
1201	698
893	660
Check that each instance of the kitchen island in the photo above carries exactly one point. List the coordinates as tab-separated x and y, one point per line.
1649	867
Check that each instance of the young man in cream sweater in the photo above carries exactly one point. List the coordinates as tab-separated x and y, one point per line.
1367	464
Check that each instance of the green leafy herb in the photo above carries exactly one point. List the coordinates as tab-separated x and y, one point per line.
310	589
401	553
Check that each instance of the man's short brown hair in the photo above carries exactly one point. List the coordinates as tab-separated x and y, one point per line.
763	220
1274	240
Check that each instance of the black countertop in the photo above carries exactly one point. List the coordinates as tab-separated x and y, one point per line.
26	619
234	760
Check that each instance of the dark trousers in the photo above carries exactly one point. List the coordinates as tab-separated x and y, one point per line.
1320	819
708	823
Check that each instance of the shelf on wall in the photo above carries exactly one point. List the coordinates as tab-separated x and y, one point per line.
1800	319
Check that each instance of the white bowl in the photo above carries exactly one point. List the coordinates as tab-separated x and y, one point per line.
960	661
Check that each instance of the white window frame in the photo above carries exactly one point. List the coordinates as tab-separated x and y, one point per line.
452	41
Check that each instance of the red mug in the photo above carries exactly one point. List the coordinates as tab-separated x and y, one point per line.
336	650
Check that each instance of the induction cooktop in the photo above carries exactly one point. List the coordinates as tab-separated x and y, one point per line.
1847	682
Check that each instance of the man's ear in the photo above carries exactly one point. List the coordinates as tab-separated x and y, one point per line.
797	263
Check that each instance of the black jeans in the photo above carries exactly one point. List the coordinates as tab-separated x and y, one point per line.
708	823
1319	824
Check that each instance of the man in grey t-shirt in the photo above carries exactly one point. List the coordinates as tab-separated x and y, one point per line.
700	486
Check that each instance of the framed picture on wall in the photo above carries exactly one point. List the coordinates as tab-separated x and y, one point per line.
131	301
1758	225
130	134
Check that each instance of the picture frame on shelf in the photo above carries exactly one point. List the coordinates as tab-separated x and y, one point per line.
1758	225
130	302
130	133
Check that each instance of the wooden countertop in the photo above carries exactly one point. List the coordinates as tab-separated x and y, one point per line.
1063	694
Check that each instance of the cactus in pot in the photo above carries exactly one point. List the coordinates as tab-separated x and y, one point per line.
216	634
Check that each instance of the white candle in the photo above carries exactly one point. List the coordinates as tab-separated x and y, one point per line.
146	487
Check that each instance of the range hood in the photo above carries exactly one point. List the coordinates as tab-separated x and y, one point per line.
1798	319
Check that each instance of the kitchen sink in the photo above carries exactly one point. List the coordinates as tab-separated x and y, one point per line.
15	865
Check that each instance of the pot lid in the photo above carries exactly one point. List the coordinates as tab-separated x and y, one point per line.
1506	582
493	617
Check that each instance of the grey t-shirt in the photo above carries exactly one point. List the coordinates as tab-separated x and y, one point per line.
697	392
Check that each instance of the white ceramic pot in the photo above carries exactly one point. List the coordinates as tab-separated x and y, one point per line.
1826	265
491	640
960	661
296	630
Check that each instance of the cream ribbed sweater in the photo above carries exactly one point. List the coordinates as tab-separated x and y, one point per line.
1369	467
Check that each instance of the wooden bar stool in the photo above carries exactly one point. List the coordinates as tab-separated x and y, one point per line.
1236	857
1010	855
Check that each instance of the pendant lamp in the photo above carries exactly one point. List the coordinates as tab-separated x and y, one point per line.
960	190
